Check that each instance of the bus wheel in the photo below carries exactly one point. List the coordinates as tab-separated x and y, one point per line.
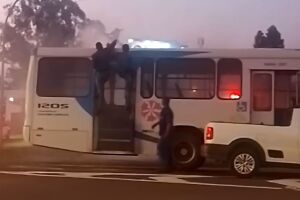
186	152
244	163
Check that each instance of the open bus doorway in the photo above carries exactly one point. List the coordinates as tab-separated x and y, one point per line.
113	121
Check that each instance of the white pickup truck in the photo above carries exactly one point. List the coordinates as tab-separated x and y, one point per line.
247	147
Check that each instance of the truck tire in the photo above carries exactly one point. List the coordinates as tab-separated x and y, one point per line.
186	151
244	163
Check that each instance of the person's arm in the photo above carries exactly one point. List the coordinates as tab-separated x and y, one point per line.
113	44
160	119
155	125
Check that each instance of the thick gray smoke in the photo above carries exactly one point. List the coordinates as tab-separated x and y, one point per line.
93	31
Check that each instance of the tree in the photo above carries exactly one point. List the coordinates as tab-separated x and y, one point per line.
36	23
260	40
272	39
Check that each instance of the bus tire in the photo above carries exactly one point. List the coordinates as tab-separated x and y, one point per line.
186	151
244	163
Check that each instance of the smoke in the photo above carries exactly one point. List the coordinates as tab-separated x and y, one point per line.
94	31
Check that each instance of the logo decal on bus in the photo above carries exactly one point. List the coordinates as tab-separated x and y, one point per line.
151	110
53	105
241	106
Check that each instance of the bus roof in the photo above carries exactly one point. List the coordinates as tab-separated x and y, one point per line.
173	53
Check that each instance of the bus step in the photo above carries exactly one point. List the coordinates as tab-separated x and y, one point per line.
114	145
115	134
125	153
114	140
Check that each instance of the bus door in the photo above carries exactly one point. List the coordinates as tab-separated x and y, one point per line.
113	122
262	97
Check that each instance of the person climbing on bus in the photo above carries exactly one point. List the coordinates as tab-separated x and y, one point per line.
165	123
101	72
102	64
111	62
127	72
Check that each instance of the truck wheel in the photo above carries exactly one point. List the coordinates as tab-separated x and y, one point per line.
244	163
186	152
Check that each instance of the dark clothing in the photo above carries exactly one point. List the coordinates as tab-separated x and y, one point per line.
164	145
126	71
101	75
125	65
164	151
100	61
166	118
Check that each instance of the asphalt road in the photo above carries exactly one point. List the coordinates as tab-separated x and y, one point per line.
37	173
74	182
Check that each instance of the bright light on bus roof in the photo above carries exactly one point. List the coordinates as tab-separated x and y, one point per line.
11	99
130	40
234	96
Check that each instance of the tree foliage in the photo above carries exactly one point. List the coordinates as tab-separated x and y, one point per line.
36	23
272	39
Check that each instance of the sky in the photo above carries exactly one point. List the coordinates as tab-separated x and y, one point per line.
222	23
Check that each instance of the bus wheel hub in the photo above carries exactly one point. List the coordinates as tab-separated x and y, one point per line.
183	151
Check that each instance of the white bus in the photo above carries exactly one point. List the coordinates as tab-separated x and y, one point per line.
242	85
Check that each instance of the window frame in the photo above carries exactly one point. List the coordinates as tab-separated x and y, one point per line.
218	80
153	79
90	77
297	104
270	108
186	98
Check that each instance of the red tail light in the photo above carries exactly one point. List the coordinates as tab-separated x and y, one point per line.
209	133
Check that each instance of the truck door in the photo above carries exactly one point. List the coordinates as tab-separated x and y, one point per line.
262	97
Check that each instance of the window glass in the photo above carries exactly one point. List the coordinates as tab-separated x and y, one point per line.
298	90
284	96
185	78
285	89
63	77
147	70
229	79
262	92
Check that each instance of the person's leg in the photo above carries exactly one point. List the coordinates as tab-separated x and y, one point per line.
112	85
103	77
168	149
160	151
164	156
128	92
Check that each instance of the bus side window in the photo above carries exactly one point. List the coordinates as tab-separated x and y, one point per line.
185	78
147	76
64	77
229	78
